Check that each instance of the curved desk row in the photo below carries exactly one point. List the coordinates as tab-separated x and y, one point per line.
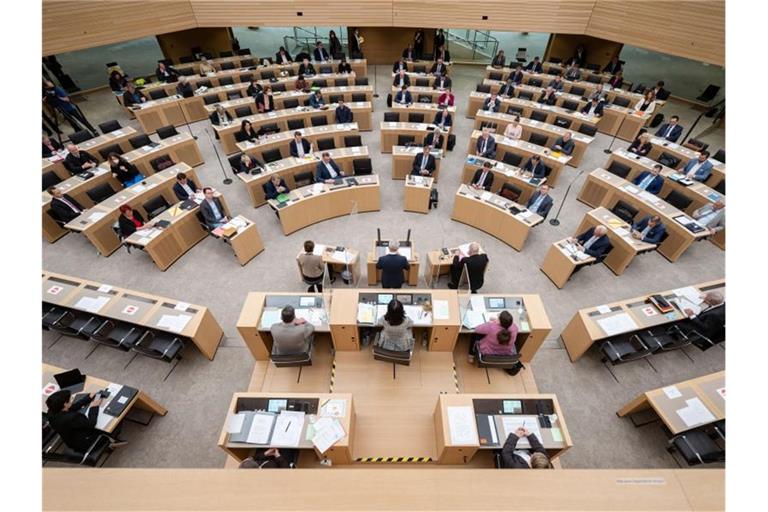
281	141
120	137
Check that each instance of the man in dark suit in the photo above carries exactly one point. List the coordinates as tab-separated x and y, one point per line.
613	66
508	89
409	53
537	455
534	66
649	229
320	53
486	145
439	68
492	103
557	83
392	266
443	119
404	96
79	161
274	187
283	57
442	82
316	100
483	178
64	207
299	146
475	263
535	167
660	92
593	107
442	54
435	139
77	430
670	131
517	75
401	79
132	97
343	113
651	181
541	202
184	88
165	73
306	68
212	210
710	322
564	144
399	66
184	188
594	241
423	163
327	170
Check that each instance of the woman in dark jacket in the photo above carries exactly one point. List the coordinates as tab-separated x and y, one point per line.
334	45
129	221
123	170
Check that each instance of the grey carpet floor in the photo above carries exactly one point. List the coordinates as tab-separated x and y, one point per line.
198	392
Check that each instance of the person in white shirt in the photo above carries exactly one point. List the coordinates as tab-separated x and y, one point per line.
514	130
599	93
212	210
711	216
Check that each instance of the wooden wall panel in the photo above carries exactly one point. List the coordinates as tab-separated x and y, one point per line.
180	44
282	13
599	51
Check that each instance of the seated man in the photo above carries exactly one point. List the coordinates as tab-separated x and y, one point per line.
593	107
535	167
594	241
274	187
184	88
573	73
283	57
486	145
435	139
165	73
306	68
392	266
327	171
483	178
710	322
541	202
492	103
212	210
291	336
132	97
443	119
423	163
442	82
400	65
670	131
534	458
403	97
564	144
320	53
534	66
475	264
698	168
184	188
711	216
401	78
76	428
649	229
508	89
63	206
409	53
316	100
343	113
439	68
299	146
598	93
557	83
549	97
651	181
79	161
517	75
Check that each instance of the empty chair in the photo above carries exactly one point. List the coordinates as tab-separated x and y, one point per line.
119	335
234	95
623	349
422	82
155	206
156	94
594	79
267	74
112	148
392	356
226	80
160	345
483	88
709	94
243	111
320	83
553	71
547	170
361	81
668	160
100	192
161	162
359	96
244	51
415	117
81	136
535	82
186	71
278	86
539	116
234	162
139	141
510	192
391	117
326	70
720	187
296	124
351	141
291	103
587	129
225	54
334	98
593	67
424	98
578	91
83	325
362	166
246	63
570	105
54	317
663	338
562	122
271	155
621	101
516	111
204	83
503	362
109	126
245	77
696	145
624	211
226	66
166	131
406	140
186	59
538	139
319	120
210	99
525	95
325	144
696	447
495	75
619	169
488	124
512	159
270	128
303	178
678	200
340	82
420	68
50	179
720	155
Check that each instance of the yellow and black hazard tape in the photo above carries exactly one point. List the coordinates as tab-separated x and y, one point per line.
455	378
394	460
333	375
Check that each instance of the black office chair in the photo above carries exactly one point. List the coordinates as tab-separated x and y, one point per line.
340	82
624	211
593	67
623	349
424	98
665	339
243	111
578	91
226	66
525	95
562	122
359	97
516	111
291	103
483	88
696	145
160	345
512	159
296	124
234	162
109	126
594	79
139	141
267	75
319	121
619	169
392	356
488	124
588	129
304	178
361	81
535	82
539	116
100	193
553	71
391	117
112	148
326	70
334	98
204	83
245	77
422	82
234	95
720	187
95	456
678	200
293	360
421	68
497	361
157	94
415	117
570	105
709	94
621	101
362	166
510	192
161	162
80	136
406	140
165	132
155	206
186	59
720	155
325	144
226	80
352	141
271	155
186	71
495	75
117	335
210	99
538	139
50	179
696	447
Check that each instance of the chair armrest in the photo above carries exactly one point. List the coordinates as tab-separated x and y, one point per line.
127	334
610	345
171	344
697	333
93	446
98	332
685	440
148	334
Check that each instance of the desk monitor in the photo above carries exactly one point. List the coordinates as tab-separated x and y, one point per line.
496	303
405	299
308	405
384	298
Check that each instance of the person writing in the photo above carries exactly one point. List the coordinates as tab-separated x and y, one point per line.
129	221
594	241
535	458
483	178
301	83
291	336
474	262
125	172
396	329
317	101
312	267
274	187
344	66
77	428
185	187
392	266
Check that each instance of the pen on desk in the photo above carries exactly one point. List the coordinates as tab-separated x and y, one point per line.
287	426
325	402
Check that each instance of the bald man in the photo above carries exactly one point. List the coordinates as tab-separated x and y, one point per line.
710	322
594	241
475	264
78	161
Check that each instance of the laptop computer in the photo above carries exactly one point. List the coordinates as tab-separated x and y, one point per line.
71	380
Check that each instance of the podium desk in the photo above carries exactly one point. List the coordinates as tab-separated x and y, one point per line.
438	263
602	188
141	309
409	251
418	91
402	161
502	173
441	332
390	131
246	242
555	161
428	110
321	201
491	213
417	192
454	448
560	262
311	403
529	126
337	260
584	328
154	114
289	167
685	155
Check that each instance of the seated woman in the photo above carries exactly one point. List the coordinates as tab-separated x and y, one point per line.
219	116
264	101
254	89
514	130
344	66
50	146
534	458
396	327
129	221
301	83
125	172
641	145
248	133
312	267
117	81
274	187
249	163
496	337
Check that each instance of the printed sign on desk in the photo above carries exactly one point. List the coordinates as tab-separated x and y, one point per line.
130	309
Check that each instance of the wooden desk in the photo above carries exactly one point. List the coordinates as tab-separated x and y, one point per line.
180	148
96	223
320	201
414	76
625	248
685	155
362	112
337	79
559	264
552	132
439	263
402	161
119	137
289	167
502	173
556	440
525	150
709	389
411	275
441	333
246	243
583	330
55	164
490	213
154	114
136	308
417	192
359	66
390	132
339	453
236	60
282	140
428	110
418	91
416	66
602	188
336	261
585	73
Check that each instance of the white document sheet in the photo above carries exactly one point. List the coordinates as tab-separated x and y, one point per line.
366	313
261	426
91	304
318	250
235	423
328	435
472	319
603	310
440	309
672	392
511	423
288	428
269	318
689	293
696	413
478	303
175	323
461	423
617	324
334	408
404	251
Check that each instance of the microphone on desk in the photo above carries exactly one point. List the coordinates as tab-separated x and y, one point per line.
556	220
227	179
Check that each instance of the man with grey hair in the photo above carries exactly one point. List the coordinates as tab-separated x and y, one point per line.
711	216
292	335
475	264
710	322
393	267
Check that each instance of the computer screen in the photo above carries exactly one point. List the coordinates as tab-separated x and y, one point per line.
496	302
385	298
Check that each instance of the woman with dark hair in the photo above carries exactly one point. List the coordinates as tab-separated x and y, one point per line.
264	101
125	172
396	327
418	43
117	80
344	66
334	45
496	337
247	132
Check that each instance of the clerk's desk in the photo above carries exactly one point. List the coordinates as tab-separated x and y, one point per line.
429	110
184	231
391	130
583	330
556	440
699	193
339	453
601	188
93	384
359	66
439	263
625	248
585	73
491	213
502	173
685	155
406	248
137	308
402	161
551	131
92	146
96	223
337	261
525	150
289	167
417	193
441	333
560	262
321	201
362	112
417	91
706	388
282	140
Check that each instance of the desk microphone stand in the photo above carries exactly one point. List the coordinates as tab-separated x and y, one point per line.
227	179
556	220
186	121
375	81
610	150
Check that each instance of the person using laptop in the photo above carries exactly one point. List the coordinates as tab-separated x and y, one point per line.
77	430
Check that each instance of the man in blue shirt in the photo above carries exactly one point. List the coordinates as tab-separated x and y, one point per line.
540	202
649	229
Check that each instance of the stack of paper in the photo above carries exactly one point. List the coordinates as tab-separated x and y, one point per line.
175	323
327	433
417	315
318	250
472	319
617	324
510	423
270	317
440	309
695	413
461	423
288	428
404	251
366	313
334	408
478	303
